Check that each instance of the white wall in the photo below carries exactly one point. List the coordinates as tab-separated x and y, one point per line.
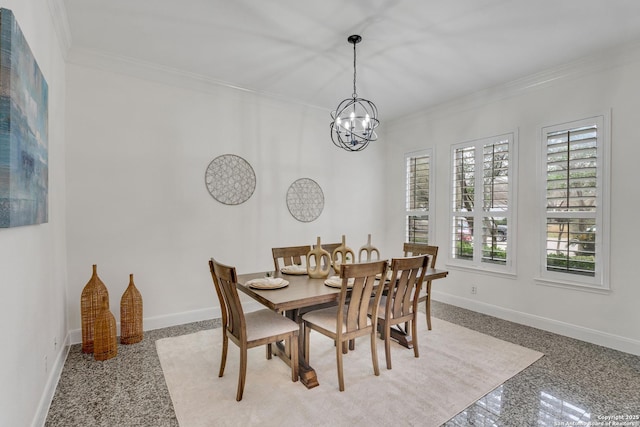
139	142
128	148
592	86
33	258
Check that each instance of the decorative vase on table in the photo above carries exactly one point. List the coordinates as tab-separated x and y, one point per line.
342	255
105	342
90	305
131	330
369	249
321	267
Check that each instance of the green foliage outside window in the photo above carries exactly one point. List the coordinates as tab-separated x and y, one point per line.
495	253
580	264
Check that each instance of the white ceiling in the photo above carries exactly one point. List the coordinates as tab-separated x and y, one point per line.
414	53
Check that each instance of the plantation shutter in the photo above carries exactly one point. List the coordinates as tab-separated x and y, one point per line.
418	168
572	199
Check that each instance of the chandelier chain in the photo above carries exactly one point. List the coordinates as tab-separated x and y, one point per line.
355	94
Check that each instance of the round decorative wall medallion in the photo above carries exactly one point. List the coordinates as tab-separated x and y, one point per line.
230	179
305	200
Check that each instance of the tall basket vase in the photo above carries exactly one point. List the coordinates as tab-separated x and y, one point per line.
131	314
105	344
90	304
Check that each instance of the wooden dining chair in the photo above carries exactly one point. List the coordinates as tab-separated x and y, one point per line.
251	329
349	320
413	249
291	255
400	302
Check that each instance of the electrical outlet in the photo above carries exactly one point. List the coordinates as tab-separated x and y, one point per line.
474	290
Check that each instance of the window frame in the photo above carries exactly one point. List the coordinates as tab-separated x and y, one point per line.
600	280
476	263
429	212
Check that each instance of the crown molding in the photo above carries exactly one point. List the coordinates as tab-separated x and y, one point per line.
58	14
145	70
154	72
606	59
587	65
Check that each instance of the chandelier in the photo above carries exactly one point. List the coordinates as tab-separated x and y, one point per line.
355	119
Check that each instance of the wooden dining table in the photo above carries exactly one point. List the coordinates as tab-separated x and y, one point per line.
304	294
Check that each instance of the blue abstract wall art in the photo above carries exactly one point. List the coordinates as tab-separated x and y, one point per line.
24	164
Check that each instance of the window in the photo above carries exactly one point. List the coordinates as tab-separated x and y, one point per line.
418	195
482	214
573	203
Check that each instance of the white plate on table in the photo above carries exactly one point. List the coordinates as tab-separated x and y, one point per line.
336	282
268	283
294	269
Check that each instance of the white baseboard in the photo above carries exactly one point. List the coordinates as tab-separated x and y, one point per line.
150	323
52	383
593	336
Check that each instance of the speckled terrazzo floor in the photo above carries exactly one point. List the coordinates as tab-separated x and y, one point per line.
574	384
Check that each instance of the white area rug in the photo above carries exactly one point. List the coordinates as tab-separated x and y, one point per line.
456	367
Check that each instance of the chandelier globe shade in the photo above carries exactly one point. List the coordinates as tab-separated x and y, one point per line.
355	119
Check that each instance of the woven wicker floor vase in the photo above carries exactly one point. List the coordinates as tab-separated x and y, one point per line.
105	341
131	314
90	304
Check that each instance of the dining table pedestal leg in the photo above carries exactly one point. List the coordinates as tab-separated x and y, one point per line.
402	337
307	374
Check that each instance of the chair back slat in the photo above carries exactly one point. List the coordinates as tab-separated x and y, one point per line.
402	295
359	294
423	249
415	249
403	292
225	280
291	255
224	307
401	301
